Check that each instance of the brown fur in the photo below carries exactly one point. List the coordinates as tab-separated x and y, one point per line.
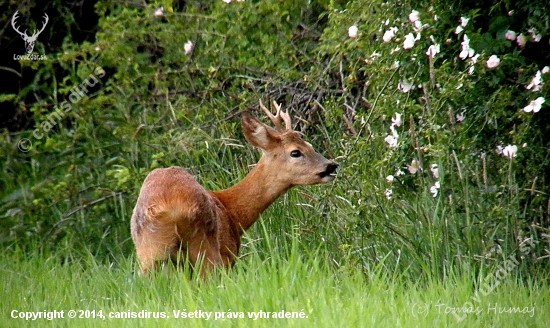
176	217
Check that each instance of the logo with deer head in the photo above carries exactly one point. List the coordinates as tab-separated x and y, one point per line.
29	39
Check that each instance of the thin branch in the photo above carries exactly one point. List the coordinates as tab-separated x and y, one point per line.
67	217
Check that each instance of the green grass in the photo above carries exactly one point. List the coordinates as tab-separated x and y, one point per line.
287	280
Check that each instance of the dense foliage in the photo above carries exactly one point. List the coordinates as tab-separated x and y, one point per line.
435	111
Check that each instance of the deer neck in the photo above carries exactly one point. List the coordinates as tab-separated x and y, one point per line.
246	200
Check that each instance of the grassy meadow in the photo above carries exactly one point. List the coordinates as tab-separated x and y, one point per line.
306	287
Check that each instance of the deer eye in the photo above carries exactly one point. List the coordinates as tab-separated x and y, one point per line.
295	153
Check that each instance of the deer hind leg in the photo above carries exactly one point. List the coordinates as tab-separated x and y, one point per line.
156	246
203	250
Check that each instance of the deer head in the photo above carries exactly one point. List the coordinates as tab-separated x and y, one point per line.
293	161
29	40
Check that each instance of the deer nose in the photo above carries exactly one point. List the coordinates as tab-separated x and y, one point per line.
331	168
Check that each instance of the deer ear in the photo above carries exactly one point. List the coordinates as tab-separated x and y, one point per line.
258	134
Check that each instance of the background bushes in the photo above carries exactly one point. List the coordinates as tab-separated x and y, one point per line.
160	105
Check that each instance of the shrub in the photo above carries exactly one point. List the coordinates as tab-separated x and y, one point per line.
424	104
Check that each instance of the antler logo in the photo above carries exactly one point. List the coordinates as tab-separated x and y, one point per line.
29	40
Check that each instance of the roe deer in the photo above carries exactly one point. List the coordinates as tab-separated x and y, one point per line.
175	217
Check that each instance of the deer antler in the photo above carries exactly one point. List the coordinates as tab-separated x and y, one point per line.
43	25
15	27
276	119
